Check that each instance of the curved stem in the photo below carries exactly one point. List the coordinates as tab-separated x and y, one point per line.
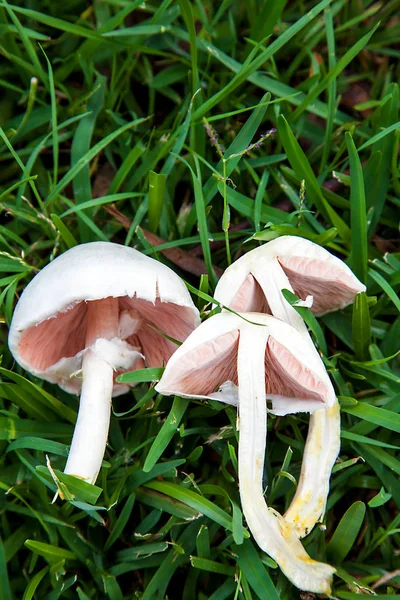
270	530
323	439
91	429
320	452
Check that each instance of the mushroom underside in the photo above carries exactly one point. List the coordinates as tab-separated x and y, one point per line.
330	287
207	369
141	324
250	297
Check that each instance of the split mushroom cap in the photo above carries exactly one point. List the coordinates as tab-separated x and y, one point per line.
254	283
249	283
96	311
246	360
206	365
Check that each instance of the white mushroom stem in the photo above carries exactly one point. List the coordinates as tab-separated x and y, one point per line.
91	430
272	280
272	533
320	452
323	440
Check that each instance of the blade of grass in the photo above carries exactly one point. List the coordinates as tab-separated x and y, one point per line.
380	499
211	566
334	72
53	117
121	522
255	572
241	141
60	24
201	218
187	15
259	199
332	87
346	533
376	415
386	287
140	375
361	327
379	136
266	19
23	169
389	114
29	46
65	233
166	432
34	584
247	69
5	588
39	147
270	84
193	500
81	182
126	167
302	167
359	241
157	184
309	319
97	202
85	159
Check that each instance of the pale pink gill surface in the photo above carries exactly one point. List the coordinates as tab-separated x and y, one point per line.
329	286
63	335
204	369
250	297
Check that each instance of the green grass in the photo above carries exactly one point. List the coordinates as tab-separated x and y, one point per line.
101	116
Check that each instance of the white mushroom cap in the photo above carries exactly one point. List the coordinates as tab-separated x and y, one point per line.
205	366
310	269
47	333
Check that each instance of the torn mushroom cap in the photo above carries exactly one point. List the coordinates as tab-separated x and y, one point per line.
255	282
205	366
233	360
48	330
311	270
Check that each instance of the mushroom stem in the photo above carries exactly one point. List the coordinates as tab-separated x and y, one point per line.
272	280
91	430
271	532
320	452
323	439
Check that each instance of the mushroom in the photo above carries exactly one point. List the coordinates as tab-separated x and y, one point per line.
246	360
254	283
96	311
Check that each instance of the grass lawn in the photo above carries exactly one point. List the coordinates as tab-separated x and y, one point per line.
194	131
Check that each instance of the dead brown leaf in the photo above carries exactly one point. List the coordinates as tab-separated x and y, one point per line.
356	94
181	258
102	181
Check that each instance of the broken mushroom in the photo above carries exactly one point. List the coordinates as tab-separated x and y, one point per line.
96	311
254	283
246	360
